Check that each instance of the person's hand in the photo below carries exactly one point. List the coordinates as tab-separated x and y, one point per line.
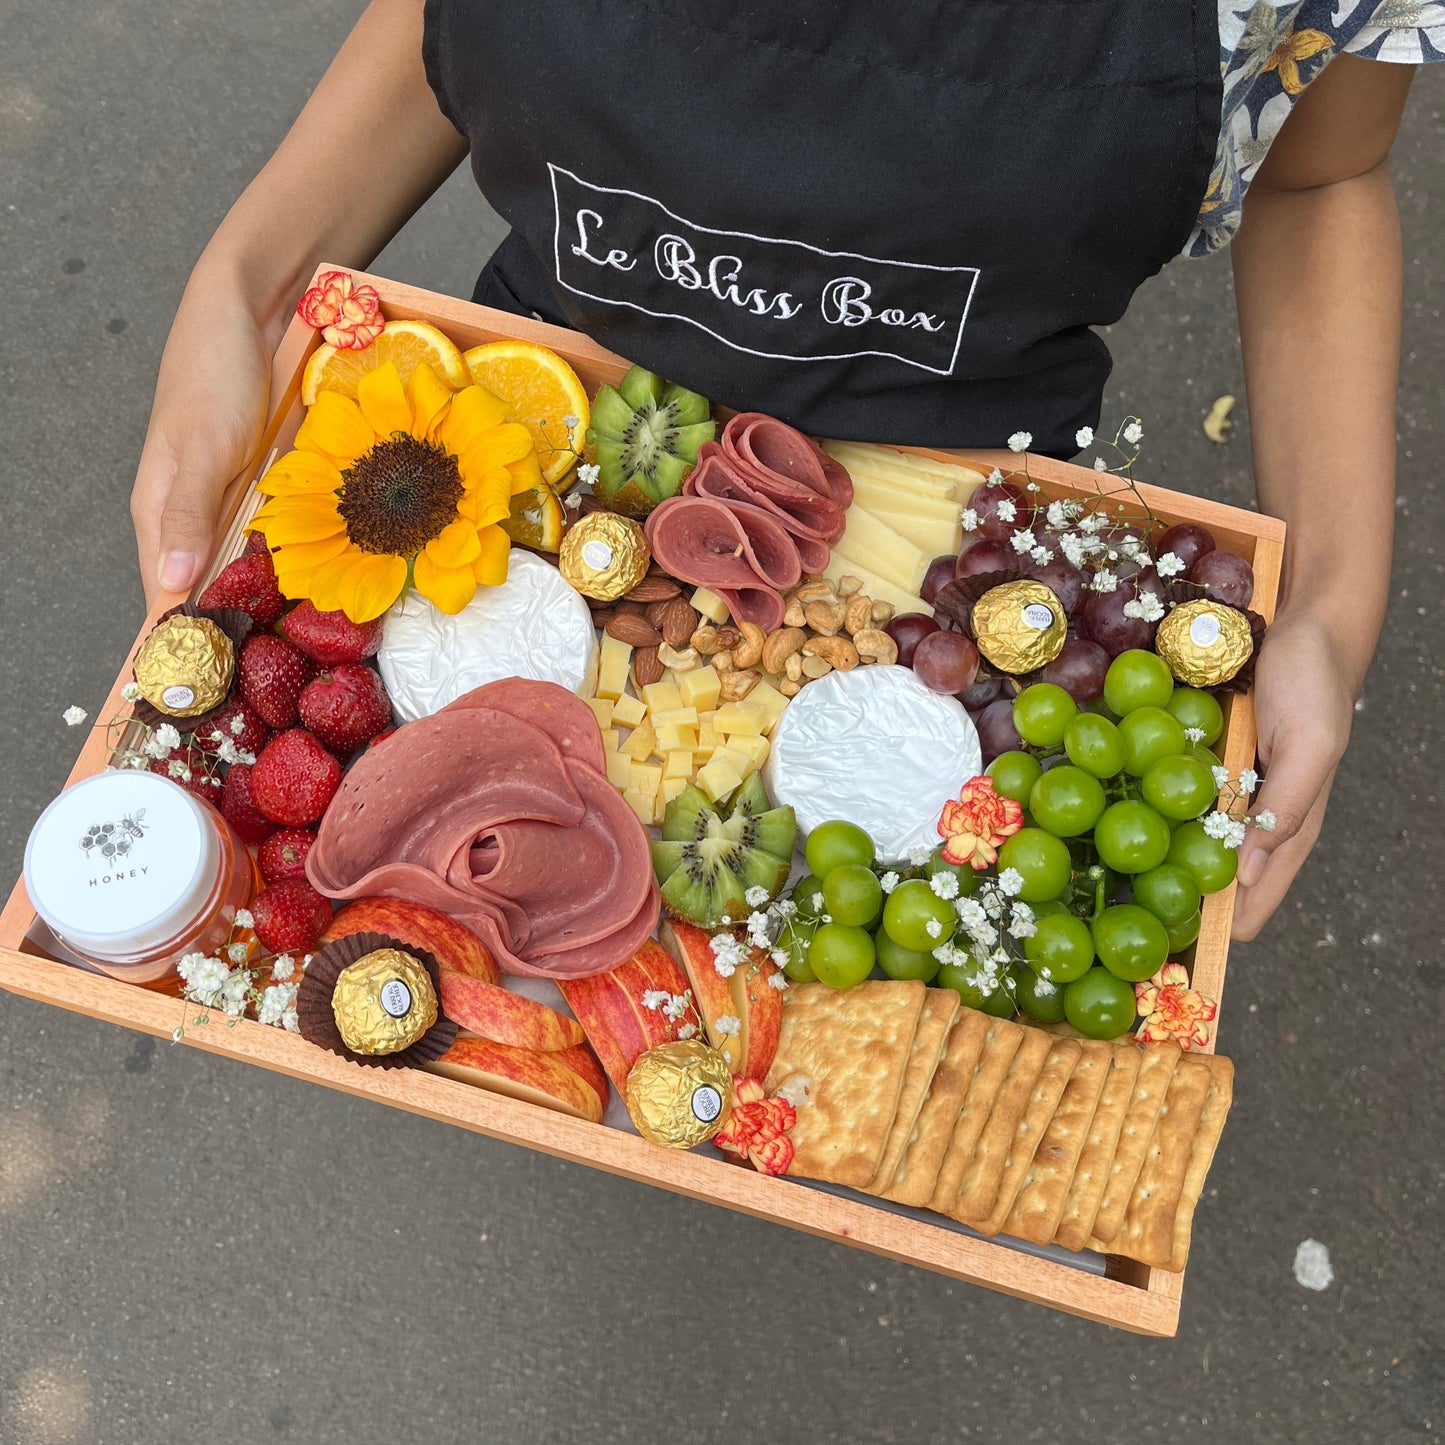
207	418
1304	703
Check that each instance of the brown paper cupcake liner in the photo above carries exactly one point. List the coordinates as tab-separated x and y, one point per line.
318	1023
955	601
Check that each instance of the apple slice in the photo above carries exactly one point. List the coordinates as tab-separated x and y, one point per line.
537	1078
581	1060
506	1018
746	996
452	945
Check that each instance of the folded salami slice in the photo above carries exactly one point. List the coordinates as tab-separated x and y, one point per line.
791	470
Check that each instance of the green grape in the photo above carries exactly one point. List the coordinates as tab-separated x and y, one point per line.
1183	934
853	895
841	956
1196	708
1212	864
1099	1005
1149	733
966	874
1067	801
903	963
1169	892
1137	679
1041	1000
1179	787
1003	1002
1131	837
1041	860
1062	949
1202	754
1130	942
1042	712
916	918
796	939
1093	743
1013	774
808	895
830	845
962	979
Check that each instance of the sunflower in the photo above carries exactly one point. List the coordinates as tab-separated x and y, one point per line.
402	487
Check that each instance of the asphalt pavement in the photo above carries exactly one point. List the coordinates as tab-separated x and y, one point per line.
193	1250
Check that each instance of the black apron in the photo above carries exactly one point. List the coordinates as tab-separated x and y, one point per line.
875	221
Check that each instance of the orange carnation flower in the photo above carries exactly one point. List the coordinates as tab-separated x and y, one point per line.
757	1128
973	827
348	315
1172	1010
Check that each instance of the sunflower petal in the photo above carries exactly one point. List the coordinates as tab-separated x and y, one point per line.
526	474
335	427
490	569
488	501
299	519
300	472
382	399
450	588
474	413
324	583
303	556
455	545
497	447
369	585
427	395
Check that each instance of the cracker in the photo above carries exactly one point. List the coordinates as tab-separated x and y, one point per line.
1147	1233
980	1185
1001	1043
1091	1173
1211	1126
845	1051
939	1007
1156	1069
1053	1079
918	1169
1040	1203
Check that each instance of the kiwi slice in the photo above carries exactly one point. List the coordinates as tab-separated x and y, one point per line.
712	854
644	438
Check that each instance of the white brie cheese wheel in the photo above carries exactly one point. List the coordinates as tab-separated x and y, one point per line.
877	748
534	625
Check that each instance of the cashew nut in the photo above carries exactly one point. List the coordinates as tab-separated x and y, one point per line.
858	615
794	617
875	645
780	646
836	651
679	661
737	685
825	617
793	667
816	592
790	687
749	652
815	667
704	641
882	612
848	584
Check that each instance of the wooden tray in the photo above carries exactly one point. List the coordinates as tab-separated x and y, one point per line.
1128	1295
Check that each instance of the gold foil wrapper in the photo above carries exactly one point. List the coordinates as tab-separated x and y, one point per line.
679	1093
1019	626
1204	643
185	667
384	1002
604	556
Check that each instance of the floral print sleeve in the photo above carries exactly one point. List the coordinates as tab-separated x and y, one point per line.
1268	52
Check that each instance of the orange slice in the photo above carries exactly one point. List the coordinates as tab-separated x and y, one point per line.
542	392
407	343
536	520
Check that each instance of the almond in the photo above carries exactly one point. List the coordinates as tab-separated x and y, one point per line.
655	611
635	631
647	667
654	589
678	621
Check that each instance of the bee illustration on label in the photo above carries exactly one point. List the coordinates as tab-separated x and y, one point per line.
113	840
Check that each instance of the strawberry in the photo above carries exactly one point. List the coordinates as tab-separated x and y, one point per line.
345	707
188	767
250	584
240	811
273	673
331	637
294	779
236	722
290	916
256	544
283	854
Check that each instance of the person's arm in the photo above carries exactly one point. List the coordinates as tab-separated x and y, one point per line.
1317	272
370	146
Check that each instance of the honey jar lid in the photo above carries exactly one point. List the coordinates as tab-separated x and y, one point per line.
121	863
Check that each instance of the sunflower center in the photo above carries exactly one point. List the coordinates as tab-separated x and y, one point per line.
400	495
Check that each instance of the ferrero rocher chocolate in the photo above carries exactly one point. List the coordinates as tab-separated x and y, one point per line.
384	1002
185	667
604	556
1019	625
678	1093
1204	643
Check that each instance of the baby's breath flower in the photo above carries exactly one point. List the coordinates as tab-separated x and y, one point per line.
1006	510
756	896
1023	541
1133	433
970	520
1011	882
130	691
1265	819
1021	921
994	477
238	725
1248	781
1217	825
1041	555
728	953
729	1025
888	882
571	422
1104	581
179	770
933	928
1020	441
920	855
244	918
588	472
1073	549
276	1002
1084	437
970	912
676	1006
1221	775
1100	465
1169	565
945	885
778	980
781	957
654	998
237	952
74	716
283	966
1194	735
1146	606
1056	515
167	737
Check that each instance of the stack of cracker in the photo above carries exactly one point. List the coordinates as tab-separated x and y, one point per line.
1009	1129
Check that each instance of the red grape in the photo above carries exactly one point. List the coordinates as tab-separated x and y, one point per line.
1188	542
981	692
1102	620
1079	669
985	557
1229	578
1060	576
907	630
986	501
938	576
996	731
945	661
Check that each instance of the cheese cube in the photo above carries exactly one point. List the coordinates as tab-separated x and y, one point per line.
641	741
661	696
707	732
610	738
628	710
644	807
677	764
740	717
619	769
732	757
710	605
675	737
700	687
671	787
719	778
615	659
601	710
755	750
645	778
676	717
772	703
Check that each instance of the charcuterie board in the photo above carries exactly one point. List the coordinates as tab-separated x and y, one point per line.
1106	1287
